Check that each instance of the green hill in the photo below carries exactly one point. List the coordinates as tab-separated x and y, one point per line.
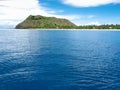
45	22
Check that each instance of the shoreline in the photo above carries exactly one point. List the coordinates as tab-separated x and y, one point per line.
65	29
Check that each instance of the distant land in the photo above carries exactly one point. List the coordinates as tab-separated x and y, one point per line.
43	22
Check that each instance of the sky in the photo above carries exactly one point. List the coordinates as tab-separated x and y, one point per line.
80	12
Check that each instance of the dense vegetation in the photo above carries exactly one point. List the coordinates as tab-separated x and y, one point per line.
99	27
45	22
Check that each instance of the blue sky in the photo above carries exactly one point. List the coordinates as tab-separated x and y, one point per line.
81	12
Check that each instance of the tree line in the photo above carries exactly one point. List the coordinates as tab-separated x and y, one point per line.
107	26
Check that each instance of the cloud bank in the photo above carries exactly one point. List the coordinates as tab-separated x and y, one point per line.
89	3
14	11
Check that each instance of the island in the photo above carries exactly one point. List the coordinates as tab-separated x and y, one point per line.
43	22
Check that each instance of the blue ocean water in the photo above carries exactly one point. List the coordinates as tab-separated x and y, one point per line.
59	60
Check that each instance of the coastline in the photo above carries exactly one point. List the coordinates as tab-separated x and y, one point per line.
73	29
64	29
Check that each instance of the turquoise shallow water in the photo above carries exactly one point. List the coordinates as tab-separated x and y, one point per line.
59	60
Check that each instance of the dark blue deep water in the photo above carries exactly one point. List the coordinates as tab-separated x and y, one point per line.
59	60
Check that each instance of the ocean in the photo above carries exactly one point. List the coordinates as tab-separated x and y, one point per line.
59	60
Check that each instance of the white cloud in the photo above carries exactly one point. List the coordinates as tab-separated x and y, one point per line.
93	23
88	22
90	16
89	3
70	17
14	11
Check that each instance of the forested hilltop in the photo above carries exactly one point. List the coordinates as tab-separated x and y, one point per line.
45	22
42	22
